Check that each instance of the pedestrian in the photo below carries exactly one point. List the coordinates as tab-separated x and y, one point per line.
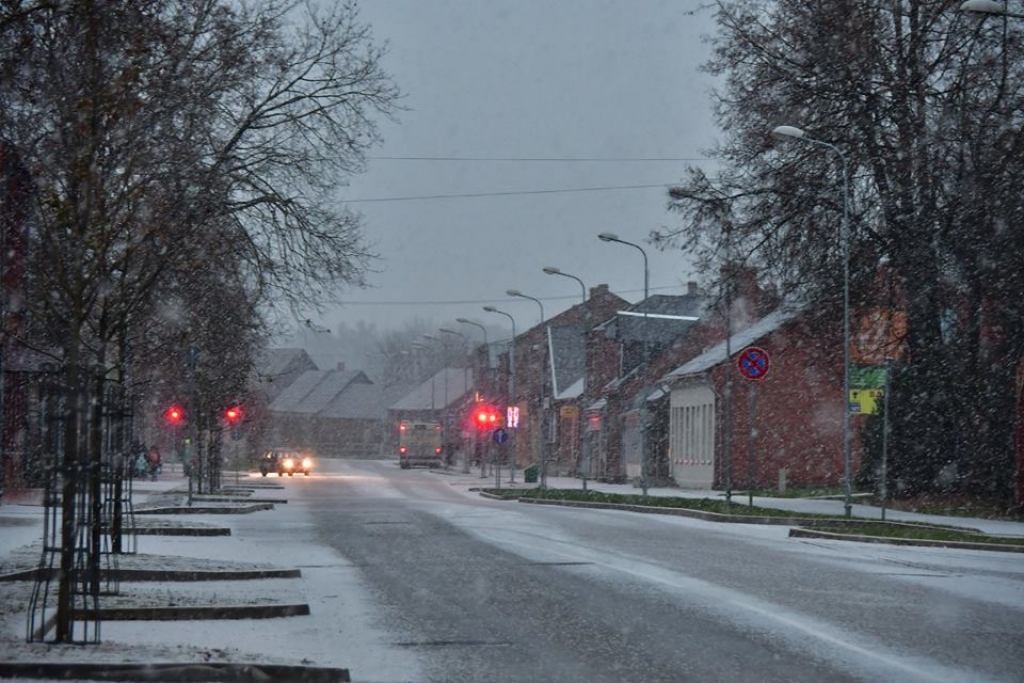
137	463
141	465
154	462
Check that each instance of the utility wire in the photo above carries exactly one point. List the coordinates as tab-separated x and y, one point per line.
542	159
510	193
486	301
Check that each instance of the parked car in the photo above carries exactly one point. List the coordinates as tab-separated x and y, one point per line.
268	463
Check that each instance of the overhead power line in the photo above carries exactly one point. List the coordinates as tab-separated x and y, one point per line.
543	159
468	302
509	193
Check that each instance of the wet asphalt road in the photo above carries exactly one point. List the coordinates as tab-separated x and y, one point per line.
483	591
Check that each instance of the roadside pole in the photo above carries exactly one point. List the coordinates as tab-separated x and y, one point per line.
751	438
885	436
752	363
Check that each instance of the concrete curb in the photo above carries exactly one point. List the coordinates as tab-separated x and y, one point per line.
237	499
179	531
174	672
145	575
962	545
194	613
184	510
728	519
678	512
784	521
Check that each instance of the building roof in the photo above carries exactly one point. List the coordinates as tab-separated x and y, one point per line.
359	401
567	351
276	362
430	395
657	328
313	390
575	390
716	354
277	368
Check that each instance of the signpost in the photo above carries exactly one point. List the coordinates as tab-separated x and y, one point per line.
752	363
500	436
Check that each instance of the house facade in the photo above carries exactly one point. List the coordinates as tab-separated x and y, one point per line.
785	428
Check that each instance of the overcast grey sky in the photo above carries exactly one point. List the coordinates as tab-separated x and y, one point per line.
527	78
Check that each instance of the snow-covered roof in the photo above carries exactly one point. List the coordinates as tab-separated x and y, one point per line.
275	362
446	387
663	325
567	353
359	402
313	390
575	390
716	354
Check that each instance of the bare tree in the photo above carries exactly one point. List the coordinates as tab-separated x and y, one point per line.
168	138
927	104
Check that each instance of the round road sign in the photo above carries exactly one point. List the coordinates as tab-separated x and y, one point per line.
752	363
500	435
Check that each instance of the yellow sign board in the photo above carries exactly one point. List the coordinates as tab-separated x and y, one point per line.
866	401
570	412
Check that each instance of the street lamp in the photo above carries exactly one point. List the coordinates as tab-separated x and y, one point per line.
451	331
467	321
784	132
511	382
988	7
612	237
490	379
543	388
551	270
465	387
420	346
516	292
445	413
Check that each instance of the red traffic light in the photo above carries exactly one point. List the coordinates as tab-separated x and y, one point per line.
174	415
233	414
485	417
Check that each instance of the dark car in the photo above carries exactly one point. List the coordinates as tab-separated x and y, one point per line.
285	463
268	463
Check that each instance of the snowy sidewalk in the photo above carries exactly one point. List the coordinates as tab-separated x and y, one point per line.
185	574
824	506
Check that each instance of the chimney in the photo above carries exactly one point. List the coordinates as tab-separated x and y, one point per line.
692	289
341	366
594	291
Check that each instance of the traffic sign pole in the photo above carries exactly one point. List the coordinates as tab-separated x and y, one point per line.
752	363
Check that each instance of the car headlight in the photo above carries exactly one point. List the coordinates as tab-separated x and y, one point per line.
288	463
307	464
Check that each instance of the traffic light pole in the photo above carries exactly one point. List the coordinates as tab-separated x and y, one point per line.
195	476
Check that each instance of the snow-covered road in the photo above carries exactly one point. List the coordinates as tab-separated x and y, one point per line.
412	577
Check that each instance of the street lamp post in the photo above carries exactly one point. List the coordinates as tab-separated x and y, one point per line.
612	237
488	370
419	346
798	134
543	385
511	386
551	270
465	390
445	416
